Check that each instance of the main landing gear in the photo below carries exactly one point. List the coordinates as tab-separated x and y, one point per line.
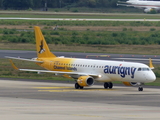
108	85
77	86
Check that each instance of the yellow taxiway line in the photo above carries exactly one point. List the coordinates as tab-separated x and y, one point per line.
66	89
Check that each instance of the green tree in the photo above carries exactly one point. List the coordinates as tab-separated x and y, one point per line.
17	4
36	3
25	4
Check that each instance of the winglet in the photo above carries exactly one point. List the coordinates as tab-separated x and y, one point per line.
150	63
13	65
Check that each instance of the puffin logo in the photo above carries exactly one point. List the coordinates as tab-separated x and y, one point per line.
41	48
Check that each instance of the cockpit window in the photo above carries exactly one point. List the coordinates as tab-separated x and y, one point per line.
143	69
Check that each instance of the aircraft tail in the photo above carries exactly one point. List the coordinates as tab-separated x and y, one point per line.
41	45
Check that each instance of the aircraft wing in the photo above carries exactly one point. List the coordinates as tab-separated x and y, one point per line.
55	72
30	60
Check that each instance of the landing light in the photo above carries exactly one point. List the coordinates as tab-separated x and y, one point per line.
99	76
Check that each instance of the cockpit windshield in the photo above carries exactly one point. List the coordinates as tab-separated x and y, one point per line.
143	69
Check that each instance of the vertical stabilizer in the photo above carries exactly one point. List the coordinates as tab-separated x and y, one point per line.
150	63
41	45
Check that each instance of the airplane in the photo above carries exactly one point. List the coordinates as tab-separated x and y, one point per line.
88	71
147	5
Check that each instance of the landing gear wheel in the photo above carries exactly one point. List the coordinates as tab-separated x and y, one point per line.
77	86
106	85
140	89
110	85
81	87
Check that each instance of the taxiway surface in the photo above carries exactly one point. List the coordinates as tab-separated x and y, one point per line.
39	100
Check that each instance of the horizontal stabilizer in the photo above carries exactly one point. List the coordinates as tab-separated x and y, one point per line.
18	58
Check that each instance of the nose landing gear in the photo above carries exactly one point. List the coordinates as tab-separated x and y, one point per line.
140	88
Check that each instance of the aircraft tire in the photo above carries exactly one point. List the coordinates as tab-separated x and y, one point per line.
106	85
140	89
110	85
77	86
81	87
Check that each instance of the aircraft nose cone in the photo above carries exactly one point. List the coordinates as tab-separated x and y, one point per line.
152	77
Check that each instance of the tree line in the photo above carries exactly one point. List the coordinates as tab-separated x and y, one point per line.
36	4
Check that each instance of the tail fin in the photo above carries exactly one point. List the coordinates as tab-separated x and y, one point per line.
150	63
41	45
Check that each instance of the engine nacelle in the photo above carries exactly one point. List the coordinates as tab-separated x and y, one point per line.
131	83
85	81
148	10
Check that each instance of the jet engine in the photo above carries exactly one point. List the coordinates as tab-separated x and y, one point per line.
147	10
85	81
131	83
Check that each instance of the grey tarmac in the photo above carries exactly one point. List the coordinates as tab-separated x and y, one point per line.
34	100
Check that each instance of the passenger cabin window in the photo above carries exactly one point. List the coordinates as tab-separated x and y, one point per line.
139	69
